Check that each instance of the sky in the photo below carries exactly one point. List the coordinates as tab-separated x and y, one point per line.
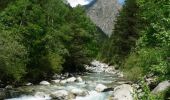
74	3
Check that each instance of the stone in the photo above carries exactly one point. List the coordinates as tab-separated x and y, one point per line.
123	92
100	88
2	95
41	94
60	94
56	76
63	81
72	79
79	92
9	87
28	84
120	74
161	87
44	83
55	81
79	79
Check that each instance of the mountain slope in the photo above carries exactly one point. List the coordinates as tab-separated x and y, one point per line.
103	13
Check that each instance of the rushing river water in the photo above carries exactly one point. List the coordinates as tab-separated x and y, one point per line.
90	80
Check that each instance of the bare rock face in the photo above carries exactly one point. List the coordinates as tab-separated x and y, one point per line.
103	14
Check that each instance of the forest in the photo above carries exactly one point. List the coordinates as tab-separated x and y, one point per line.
140	42
39	38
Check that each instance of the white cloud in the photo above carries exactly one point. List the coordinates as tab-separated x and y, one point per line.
74	3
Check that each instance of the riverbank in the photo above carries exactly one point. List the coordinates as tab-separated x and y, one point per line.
101	82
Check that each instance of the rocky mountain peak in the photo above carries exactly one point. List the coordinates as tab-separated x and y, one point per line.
103	14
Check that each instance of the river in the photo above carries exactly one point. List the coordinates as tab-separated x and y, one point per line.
88	85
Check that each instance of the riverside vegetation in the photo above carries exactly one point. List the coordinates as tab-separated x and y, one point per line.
140	43
39	38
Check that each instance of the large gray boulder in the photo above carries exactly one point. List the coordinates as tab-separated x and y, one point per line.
123	92
79	92
55	81
100	88
60	94
79	79
161	87
2	94
44	83
72	79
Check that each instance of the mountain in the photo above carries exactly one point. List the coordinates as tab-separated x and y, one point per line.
103	13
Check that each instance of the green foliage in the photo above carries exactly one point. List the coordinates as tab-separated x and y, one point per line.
43	38
134	74
148	95
150	60
124	35
13	57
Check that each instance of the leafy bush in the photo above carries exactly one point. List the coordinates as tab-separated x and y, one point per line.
13	57
134	74
150	60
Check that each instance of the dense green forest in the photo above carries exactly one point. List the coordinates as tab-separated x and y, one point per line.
41	37
140	43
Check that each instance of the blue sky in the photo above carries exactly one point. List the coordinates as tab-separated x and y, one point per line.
121	1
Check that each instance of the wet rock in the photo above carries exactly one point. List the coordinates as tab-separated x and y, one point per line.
63	81
41	95
56	76
79	79
2	95
136	86
60	94
28	84
44	83
100	88
55	81
123	92
9	87
79	92
161	87
120	74
72	79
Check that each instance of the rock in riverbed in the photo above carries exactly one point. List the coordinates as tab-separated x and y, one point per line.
60	94
72	79
161	87
123	92
44	83
100	88
79	79
55	81
79	92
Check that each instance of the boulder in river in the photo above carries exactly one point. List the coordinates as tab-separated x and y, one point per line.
72	79
123	92
2	94
161	87
44	83
60	94
100	88
28	84
55	81
63	81
9	87
79	79
41	95
79	92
